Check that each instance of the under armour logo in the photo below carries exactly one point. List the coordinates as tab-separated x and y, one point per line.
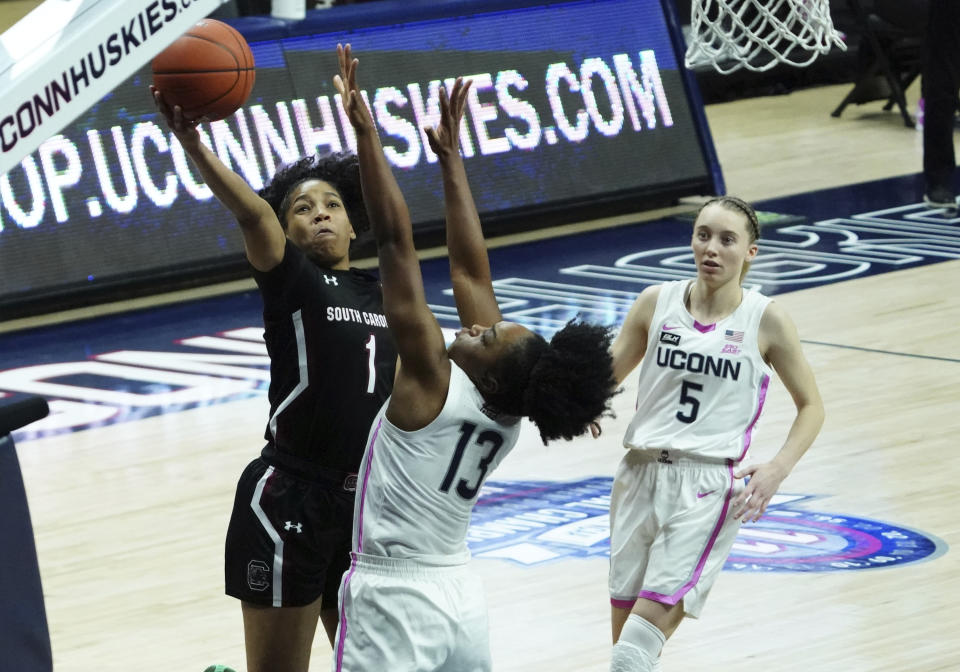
293	526
330	279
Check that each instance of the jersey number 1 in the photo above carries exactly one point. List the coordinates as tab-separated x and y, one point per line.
489	437
371	363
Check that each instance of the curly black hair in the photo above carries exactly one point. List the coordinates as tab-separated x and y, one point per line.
340	169
561	386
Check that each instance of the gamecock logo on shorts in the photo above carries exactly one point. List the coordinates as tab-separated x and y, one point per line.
258	575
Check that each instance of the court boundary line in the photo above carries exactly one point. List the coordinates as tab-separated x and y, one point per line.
881	352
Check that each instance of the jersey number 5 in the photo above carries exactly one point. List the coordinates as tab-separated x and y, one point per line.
687	398
488	437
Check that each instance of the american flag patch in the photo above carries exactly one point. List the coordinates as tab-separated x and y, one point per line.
731	335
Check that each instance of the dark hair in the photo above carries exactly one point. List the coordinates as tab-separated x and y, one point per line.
562	386
340	169
737	205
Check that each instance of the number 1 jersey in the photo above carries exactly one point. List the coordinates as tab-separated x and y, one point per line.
332	361
702	387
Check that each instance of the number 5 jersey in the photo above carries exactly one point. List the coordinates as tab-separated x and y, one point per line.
701	387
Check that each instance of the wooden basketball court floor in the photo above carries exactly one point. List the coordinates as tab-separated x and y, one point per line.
129	518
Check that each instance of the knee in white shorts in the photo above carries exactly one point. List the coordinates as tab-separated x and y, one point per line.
639	646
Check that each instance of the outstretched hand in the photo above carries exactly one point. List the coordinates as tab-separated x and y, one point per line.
185	129
445	138
351	99
765	480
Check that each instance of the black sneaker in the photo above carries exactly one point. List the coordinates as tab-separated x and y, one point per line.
940	197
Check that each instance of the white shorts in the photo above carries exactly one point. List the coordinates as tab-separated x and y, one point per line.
407	616
670	528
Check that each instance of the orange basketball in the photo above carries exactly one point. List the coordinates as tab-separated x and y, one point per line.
208	71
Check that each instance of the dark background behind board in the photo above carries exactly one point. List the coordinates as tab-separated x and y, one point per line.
123	221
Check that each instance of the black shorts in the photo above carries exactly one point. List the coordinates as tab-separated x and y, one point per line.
289	537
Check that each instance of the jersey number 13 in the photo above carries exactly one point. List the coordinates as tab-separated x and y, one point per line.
486	438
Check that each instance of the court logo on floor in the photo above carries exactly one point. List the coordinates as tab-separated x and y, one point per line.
533	522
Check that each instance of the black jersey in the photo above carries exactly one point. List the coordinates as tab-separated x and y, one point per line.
332	361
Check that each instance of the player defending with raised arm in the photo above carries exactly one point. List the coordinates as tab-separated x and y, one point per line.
332	364
409	601
705	349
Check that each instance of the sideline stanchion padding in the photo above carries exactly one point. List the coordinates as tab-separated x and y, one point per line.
24	636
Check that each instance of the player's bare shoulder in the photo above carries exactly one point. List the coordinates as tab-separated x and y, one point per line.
641	313
631	341
776	330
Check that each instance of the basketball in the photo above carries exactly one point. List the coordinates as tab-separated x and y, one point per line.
208	71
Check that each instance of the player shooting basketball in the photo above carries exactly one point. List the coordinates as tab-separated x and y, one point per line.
288	541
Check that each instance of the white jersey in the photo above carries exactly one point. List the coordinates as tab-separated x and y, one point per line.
417	489
701	387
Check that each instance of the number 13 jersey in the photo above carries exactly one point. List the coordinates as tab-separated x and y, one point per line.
701	387
417	489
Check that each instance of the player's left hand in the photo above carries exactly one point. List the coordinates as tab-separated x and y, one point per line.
350	96
765	480
445	138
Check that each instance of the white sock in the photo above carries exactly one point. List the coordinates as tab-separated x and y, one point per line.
639	646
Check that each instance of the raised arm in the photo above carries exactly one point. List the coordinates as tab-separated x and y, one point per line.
415	329
263	237
466	248
780	346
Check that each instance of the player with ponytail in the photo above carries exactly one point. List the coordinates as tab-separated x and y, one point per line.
454	414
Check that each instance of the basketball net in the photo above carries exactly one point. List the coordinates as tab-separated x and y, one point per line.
759	34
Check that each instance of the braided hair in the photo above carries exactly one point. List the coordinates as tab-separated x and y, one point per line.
740	206
735	204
